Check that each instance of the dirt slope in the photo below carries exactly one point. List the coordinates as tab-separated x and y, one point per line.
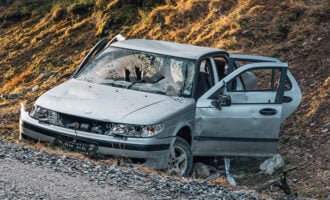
42	43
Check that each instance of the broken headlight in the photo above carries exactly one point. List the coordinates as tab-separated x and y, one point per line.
135	130
44	115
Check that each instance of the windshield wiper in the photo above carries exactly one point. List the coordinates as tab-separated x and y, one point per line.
154	79
115	84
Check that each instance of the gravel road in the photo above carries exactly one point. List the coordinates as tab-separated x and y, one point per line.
27	173
25	181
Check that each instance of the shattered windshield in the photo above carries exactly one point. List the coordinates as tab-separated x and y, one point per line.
141	71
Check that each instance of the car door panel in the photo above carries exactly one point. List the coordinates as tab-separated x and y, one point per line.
248	127
292	97
255	97
252	137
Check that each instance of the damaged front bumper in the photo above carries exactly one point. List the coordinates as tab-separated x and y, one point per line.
154	150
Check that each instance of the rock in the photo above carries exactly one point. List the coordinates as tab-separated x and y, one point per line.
247	33
26	90
46	75
327	125
271	164
324	130
154	185
201	170
15	96
35	88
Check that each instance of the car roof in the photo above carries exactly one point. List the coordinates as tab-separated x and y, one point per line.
253	58
167	48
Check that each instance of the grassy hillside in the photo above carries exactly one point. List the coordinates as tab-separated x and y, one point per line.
42	43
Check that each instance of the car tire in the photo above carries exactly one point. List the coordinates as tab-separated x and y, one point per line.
181	159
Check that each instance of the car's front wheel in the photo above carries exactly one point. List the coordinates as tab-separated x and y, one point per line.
180	161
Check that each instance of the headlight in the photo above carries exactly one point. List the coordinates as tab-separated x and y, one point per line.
44	115
135	130
149	131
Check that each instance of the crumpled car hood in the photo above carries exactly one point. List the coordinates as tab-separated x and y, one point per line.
106	103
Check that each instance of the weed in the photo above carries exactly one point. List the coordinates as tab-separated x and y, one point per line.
58	12
59	30
143	16
9	73
99	22
237	17
233	40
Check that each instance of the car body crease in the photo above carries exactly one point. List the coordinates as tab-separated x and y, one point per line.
142	108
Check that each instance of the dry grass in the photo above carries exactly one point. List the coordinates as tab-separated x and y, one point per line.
58	151
297	31
317	101
221	181
147	170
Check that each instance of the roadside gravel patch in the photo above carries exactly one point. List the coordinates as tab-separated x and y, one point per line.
27	173
24	181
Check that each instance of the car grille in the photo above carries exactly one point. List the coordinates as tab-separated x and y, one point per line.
84	124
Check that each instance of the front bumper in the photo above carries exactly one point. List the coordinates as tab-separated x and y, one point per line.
155	151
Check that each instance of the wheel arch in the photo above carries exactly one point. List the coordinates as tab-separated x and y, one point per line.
185	133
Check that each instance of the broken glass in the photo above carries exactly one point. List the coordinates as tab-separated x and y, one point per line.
141	71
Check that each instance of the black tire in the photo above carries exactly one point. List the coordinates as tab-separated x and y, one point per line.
181	159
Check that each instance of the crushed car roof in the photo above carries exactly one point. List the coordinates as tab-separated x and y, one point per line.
166	48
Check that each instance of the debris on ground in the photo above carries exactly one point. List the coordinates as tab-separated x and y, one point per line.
100	175
230	179
202	170
281	182
271	164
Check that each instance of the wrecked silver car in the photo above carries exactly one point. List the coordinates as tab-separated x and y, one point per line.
165	103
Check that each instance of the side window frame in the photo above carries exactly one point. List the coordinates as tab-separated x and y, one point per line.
213	71
279	91
216	71
272	81
213	93
197	90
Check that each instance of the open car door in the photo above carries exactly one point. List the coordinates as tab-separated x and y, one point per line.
292	94
242	117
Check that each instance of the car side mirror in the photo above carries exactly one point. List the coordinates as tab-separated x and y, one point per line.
222	100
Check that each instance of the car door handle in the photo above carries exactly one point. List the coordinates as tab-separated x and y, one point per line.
268	111
287	99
